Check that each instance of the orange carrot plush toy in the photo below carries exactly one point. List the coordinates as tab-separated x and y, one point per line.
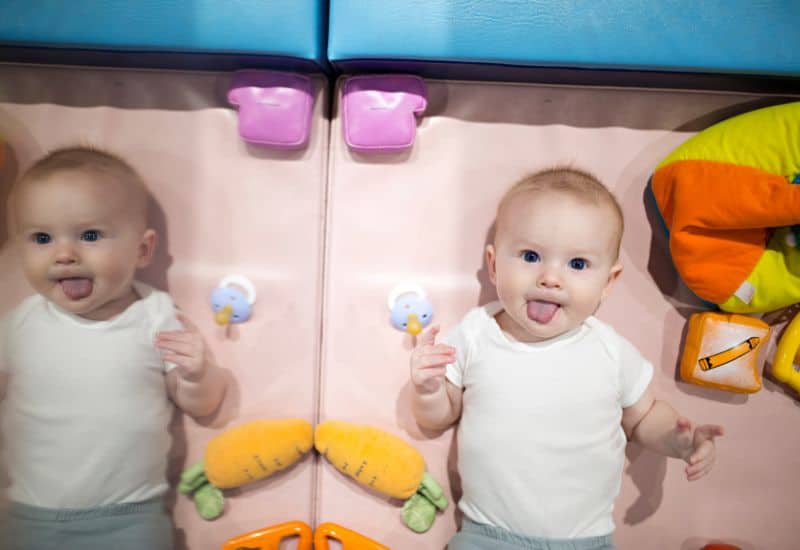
385	463
242	455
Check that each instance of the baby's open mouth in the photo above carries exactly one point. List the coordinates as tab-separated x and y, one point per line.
542	311
76	288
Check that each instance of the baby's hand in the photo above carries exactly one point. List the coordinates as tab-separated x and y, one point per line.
428	361
186	348
696	447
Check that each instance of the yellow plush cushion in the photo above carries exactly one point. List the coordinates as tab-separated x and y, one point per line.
722	194
775	279
767	139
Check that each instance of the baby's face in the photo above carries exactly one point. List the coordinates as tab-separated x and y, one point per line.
81	242
553	261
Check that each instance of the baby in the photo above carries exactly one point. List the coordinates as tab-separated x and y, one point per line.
91	362
546	396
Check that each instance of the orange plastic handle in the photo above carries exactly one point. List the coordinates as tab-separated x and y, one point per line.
269	538
715	546
350	539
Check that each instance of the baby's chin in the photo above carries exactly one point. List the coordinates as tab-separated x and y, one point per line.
540	334
79	310
529	332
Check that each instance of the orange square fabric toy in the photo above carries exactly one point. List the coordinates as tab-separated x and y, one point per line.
722	351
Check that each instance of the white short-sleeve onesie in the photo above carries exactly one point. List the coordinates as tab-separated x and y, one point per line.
86	411
540	443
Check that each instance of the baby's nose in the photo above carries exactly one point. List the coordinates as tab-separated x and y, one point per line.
549	279
65	254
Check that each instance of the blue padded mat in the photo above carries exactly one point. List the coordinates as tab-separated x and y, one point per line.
292	28
734	36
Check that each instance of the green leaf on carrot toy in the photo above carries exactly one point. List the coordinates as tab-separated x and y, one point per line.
192	478
209	502
430	489
418	513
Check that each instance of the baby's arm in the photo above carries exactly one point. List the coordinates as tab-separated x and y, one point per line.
436	401
197	385
657	426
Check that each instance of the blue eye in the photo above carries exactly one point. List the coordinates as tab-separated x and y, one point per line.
530	256
91	235
41	238
578	264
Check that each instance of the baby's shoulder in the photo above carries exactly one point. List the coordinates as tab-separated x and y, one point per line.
156	304
482	317
476	321
616	346
601	329
28	307
611	341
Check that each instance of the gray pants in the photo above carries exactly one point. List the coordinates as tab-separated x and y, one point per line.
132	526
476	536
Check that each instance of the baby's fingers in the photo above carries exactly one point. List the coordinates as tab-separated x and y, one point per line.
440	354
701	461
699	469
429	380
176	336
430	372
181	348
441	349
703	452
428	336
187	323
434	360
188	367
707	432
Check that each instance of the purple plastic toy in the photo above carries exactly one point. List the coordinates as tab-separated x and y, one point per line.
379	113
274	107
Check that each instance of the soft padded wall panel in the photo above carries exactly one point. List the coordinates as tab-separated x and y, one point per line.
223	207
713	36
425	217
293	28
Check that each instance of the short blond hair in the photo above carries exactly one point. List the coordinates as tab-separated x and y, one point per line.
576	183
91	160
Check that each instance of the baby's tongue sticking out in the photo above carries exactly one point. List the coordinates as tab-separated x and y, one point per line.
76	288
541	312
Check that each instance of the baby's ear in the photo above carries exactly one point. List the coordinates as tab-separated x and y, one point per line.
613	275
147	247
491	266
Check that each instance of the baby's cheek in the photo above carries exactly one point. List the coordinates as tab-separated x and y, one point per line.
35	271
118	266
586	301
